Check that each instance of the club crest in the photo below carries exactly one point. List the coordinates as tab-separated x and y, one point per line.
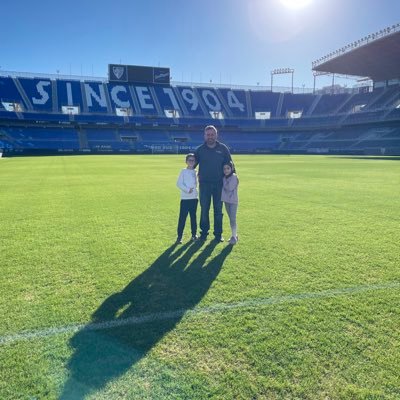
118	72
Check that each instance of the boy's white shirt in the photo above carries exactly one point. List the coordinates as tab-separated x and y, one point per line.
187	180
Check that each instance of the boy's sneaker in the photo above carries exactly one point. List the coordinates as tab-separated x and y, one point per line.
194	238
233	240
219	239
179	240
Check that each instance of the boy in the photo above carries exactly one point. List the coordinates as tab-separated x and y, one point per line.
187	183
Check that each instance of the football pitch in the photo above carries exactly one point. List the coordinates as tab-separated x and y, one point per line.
97	302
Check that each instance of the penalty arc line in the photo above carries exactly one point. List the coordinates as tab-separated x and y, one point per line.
249	304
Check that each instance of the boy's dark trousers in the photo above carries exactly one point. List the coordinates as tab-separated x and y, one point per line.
187	207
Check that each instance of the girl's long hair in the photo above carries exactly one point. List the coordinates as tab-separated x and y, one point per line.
232	165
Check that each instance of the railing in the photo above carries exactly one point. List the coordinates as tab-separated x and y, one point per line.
276	89
14	74
358	43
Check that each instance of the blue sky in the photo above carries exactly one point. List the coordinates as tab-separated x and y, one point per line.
226	41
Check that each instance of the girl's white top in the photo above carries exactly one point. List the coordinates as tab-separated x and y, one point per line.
187	180
230	189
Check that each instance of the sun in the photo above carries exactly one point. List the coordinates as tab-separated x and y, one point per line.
296	4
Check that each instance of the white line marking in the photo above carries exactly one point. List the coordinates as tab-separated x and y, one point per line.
41	333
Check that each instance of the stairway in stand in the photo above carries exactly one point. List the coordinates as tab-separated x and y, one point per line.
83	142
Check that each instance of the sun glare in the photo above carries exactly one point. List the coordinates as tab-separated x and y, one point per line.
296	4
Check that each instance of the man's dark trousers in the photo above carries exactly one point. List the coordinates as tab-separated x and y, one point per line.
187	207
210	190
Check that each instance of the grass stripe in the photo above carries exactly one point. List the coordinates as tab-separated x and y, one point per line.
29	335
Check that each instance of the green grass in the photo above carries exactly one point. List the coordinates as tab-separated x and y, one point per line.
88	239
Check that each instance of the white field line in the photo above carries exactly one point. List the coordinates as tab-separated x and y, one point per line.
41	333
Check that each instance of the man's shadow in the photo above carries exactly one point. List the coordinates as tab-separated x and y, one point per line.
158	298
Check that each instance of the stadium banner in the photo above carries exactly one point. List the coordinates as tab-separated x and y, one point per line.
138	74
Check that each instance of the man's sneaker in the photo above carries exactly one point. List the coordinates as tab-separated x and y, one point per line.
179	240
194	238
233	240
219	239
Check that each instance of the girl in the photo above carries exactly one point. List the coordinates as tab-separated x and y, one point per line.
230	197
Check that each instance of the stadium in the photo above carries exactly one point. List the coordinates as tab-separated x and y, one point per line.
137	110
97	299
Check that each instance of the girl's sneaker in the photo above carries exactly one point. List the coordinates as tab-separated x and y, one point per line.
233	240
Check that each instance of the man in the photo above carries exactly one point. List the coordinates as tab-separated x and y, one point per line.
210	157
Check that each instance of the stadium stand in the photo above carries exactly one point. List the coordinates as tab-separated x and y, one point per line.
53	114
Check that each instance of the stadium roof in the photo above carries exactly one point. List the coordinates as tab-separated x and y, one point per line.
376	56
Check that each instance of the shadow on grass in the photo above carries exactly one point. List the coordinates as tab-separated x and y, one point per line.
171	283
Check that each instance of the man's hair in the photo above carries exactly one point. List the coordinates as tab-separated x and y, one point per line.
208	127
190	155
